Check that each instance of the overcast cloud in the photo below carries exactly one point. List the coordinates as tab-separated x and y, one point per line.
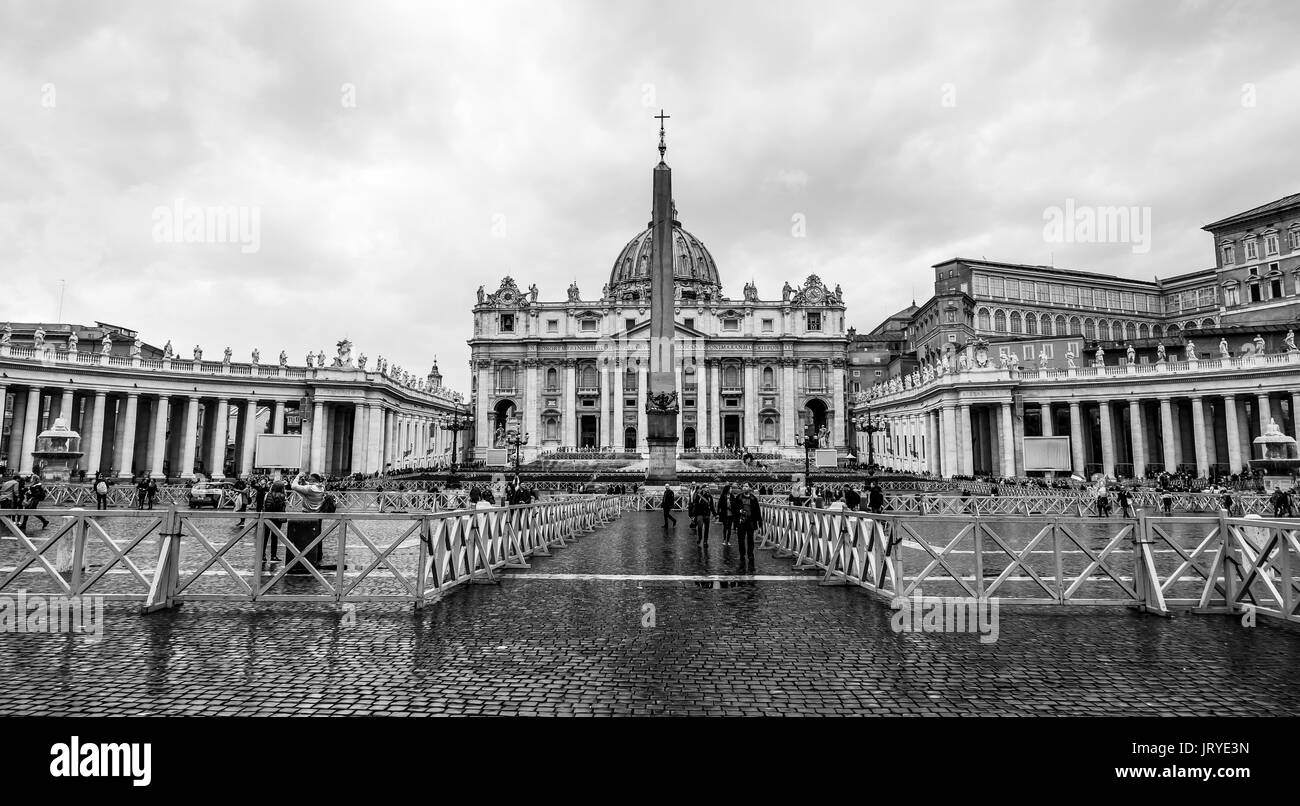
400	155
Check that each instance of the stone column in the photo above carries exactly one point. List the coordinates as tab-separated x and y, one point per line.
126	451
715	403
749	430
603	436
159	451
642	380
16	434
249	445
1167	434
1107	441
217	455
1265	412
277	419
571	403
1233	432
616	417
1198	438
948	434
839	421
360	431
1136	428
1006	435
1048	429
965	442
31	426
375	439
681	406
327	439
532	404
95	449
4	397
1076	440
1295	414
788	414
191	438
65	409
316	459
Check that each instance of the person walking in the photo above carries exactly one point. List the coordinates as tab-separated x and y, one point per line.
702	513
876	498
1167	499
243	497
274	501
35	495
142	493
748	518
101	492
726	509
670	500
1125	502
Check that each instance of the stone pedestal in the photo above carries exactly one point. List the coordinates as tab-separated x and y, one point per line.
662	444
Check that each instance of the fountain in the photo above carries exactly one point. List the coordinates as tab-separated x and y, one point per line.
1277	462
57	451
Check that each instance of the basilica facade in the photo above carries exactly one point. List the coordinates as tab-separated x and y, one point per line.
752	373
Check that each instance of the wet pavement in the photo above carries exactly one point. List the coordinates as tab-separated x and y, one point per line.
633	619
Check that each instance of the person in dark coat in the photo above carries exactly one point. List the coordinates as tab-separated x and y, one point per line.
726	509
670	500
852	499
748	518
702	511
876	498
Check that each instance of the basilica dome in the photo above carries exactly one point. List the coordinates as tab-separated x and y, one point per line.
694	271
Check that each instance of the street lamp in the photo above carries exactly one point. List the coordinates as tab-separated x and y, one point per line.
455	423
516	436
810	443
869	424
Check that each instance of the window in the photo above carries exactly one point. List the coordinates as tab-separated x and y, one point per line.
1229	254
1076	326
1058	293
1112	300
769	428
1294	237
589	403
552	428
1126	300
1129	332
552	325
731	377
689	322
628	324
985	323
690	402
952	337
981	285
506	378
1271	244
769	377
1031	324
732	325
507	323
1042	292
1028	352
587	376
1071	296
1255	293
1015	322
588	325
814	377
1275	287
768	326
1252	249
1000	322
952	317
814	321
630	380
629	402
997	287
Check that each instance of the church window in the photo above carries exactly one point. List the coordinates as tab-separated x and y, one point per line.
769	377
552	378
588	325
552	325
506	378
628	324
985	323
507	323
814	320
1000	322
731	324
731	376
689	322
769	428
814	377
768	326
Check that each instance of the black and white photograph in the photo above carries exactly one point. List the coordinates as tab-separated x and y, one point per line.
715	360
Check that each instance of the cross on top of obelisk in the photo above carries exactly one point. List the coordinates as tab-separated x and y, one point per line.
662	146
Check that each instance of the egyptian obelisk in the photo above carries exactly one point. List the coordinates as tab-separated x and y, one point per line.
661	397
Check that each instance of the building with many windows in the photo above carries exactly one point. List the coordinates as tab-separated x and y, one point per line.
752	373
1173	374
140	409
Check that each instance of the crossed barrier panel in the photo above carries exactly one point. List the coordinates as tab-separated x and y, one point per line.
1214	564
169	556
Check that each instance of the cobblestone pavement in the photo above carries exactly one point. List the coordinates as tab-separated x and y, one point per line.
567	637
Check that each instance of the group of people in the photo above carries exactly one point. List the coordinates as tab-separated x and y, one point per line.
18	492
737	511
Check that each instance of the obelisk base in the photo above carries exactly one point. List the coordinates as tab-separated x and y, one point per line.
662	467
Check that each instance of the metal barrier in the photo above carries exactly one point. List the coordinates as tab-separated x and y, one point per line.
1213	564
176	555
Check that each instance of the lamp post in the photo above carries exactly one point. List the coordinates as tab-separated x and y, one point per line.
455	423
517	437
810	443
869	424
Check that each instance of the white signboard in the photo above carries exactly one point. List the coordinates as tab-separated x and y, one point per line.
278	450
497	457
1047	453
827	457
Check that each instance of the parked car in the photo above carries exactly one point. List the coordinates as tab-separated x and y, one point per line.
206	494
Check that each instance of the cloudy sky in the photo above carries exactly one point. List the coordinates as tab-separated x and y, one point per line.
399	155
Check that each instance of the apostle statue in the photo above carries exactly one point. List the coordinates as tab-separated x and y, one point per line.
573	291
1131	354
1223	349
1259	344
135	347
532	293
198	353
1160	352
7	333
38	339
168	351
72	342
361	361
1190	352
1290	342
106	346
225	356
481	295
311	359
786	292
1042	357
257	355
1069	359
1101	356
284	358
